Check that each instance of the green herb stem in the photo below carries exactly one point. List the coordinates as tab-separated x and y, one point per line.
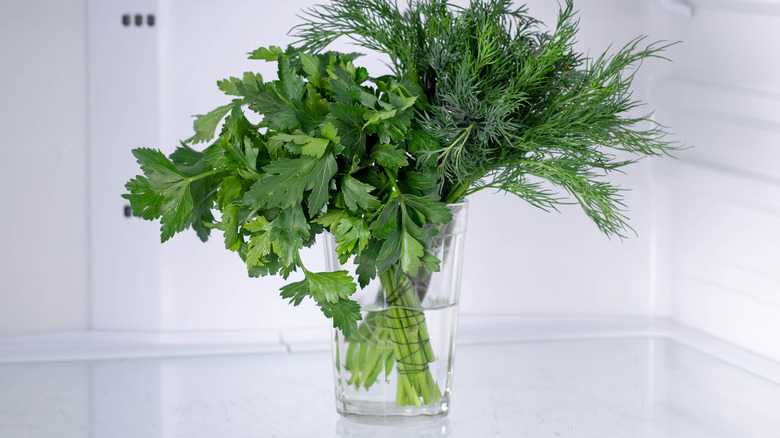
411	340
204	174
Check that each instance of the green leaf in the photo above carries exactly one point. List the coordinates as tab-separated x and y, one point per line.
390	251
388	155
185	157
311	65
269	54
316	147
431	262
230	86
401	102
284	119
145	201
345	315
330	290
229	190
315	102
288	232
205	124
295	292
292	86
412	253
257	224
348	119
331	218
240	155
434	210
352	236
318	183
357	194
299	139
373	117
163	193
157	167
419	183
329	131
366	262
230	226
177	210
261	97
266	99
202	203
387	220
312	146
283	183
259	245
344	88
330	286
271	265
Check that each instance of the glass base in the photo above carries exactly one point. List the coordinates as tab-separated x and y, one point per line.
391	415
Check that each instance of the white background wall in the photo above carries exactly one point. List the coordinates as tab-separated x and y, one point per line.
719	204
43	184
707	247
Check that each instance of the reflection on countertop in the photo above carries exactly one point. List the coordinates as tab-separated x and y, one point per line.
624	387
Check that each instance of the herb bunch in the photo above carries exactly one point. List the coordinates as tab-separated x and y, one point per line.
479	98
335	149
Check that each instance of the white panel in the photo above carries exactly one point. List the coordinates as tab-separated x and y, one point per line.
722	47
719	216
43	189
123	115
724	257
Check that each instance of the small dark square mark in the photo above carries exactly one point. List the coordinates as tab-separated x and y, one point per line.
128	211
139	19
150	20
126	20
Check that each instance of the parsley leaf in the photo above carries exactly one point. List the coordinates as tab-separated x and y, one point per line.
163	193
318	183
348	119
387	220
352	236
205	125
429	206
283	183
330	286
259	244
388	155
357	194
345	315
331	292
288	232
269	54
412	253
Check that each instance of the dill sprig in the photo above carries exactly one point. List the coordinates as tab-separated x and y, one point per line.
509	107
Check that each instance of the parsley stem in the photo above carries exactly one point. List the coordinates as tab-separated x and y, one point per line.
411	341
457	193
392	179
204	174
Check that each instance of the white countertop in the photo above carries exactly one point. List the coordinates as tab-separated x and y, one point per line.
627	385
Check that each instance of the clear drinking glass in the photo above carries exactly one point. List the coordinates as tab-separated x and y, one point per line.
397	369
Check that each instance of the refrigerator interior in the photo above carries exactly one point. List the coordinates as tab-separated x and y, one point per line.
111	316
